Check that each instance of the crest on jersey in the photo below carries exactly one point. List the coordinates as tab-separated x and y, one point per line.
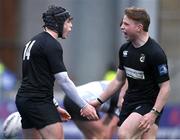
163	69
142	58
125	53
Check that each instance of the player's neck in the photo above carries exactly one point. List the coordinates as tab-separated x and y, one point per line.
52	33
140	40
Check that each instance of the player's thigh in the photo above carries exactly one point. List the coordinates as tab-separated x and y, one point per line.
129	128
91	129
31	134
52	131
43	114
152	133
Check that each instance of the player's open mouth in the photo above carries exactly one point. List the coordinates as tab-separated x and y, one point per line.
125	34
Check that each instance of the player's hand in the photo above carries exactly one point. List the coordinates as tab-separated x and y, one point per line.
89	112
95	103
65	116
147	121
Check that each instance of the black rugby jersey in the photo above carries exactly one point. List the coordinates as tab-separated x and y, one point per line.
145	68
42	58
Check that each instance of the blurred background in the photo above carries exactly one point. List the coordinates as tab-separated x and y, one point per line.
91	48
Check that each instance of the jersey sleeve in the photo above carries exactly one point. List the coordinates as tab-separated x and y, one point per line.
121	59
160	66
54	56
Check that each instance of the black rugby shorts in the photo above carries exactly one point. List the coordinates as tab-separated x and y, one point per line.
37	114
142	109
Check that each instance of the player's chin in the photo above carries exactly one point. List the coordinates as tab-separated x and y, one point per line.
65	35
126	37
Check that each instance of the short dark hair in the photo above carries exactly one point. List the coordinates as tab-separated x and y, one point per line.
140	15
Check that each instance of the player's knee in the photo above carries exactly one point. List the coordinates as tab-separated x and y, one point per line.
123	134
104	135
98	135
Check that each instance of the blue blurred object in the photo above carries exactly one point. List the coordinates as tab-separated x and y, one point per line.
8	80
171	116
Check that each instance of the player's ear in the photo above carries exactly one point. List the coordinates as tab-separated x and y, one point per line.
139	27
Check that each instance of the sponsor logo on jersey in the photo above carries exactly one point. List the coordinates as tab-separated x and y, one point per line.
138	107
135	74
142	58
162	69
125	53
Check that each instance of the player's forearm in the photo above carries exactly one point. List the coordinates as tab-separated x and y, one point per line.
69	88
115	85
112	88
162	96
